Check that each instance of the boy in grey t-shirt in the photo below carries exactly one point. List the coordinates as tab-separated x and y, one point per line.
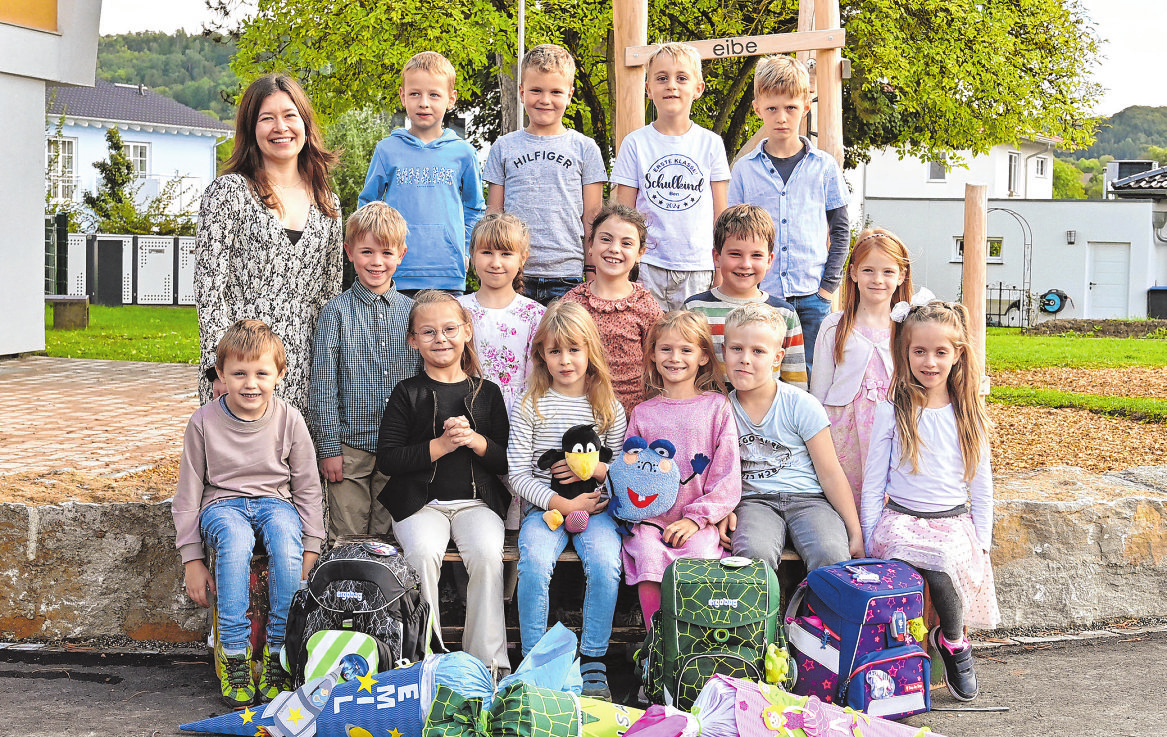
792	482
550	177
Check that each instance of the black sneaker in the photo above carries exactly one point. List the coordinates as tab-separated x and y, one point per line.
958	668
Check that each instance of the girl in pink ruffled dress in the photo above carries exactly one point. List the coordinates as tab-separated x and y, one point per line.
852	356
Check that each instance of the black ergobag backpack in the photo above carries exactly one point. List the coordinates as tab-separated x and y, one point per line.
366	588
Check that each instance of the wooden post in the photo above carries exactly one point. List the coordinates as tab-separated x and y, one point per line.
629	28
976	211
829	78
806	23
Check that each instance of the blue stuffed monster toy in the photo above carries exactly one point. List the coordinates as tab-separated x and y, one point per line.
643	482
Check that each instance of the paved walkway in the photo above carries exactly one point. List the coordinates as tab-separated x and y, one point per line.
100	417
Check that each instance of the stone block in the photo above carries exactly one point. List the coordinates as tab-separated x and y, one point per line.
69	313
89	570
1071	548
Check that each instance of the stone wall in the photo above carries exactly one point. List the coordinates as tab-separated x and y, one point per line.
1070	548
89	570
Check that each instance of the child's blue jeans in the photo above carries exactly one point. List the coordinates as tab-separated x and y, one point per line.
599	551
229	527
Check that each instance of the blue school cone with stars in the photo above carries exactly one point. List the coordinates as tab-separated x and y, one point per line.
386	703
391	703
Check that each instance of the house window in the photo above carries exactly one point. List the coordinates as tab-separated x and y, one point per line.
1014	173
139	156
937	171
61	165
995	247
1041	167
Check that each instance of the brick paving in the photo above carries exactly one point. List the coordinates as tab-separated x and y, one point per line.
98	417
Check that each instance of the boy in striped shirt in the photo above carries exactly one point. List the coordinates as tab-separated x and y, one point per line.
743	251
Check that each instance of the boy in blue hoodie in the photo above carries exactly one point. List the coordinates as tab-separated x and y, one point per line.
430	176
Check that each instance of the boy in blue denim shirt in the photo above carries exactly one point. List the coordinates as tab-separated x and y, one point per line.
802	188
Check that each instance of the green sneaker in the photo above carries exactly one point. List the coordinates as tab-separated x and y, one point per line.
273	678
235	681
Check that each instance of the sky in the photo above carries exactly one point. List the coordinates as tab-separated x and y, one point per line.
1130	70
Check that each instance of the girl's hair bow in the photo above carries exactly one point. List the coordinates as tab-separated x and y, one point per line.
919	299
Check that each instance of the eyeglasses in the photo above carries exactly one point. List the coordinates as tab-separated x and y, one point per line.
429	335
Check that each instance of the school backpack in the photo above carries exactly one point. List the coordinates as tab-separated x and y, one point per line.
716	616
359	597
850	627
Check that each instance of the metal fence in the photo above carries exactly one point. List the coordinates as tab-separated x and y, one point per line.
122	269
1009	306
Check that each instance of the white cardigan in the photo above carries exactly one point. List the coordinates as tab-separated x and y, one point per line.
838	385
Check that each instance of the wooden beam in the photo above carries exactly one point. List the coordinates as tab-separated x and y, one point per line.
829	79
629	28
725	48
976	210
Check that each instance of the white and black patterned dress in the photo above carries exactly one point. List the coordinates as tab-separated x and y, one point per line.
246	267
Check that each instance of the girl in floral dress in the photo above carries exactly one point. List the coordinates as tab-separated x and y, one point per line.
623	310
504	320
852	357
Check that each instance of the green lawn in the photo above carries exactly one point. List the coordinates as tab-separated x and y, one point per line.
1007	349
129	333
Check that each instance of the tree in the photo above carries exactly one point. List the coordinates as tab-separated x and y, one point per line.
929	76
113	207
1068	181
355	134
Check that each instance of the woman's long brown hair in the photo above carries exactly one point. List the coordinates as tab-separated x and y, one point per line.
315	161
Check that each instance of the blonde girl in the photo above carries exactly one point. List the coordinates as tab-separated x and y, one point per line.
623	310
569	385
930	457
687	406
443	446
852	360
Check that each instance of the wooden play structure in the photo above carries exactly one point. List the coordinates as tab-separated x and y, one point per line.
819	39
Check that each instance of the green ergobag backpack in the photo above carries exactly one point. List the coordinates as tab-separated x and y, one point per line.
715	617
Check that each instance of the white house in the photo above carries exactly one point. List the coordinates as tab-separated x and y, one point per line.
1105	255
1022	171
1101	253
41	41
164	139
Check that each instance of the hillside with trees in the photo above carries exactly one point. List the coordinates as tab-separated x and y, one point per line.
194	70
1127	134
1138	132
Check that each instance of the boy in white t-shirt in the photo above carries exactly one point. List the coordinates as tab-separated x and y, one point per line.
792	482
676	174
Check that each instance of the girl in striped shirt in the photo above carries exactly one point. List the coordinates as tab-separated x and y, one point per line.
569	385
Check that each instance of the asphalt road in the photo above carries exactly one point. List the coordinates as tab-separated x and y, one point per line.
1112	686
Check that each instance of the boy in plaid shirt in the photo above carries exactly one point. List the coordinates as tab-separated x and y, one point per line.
358	356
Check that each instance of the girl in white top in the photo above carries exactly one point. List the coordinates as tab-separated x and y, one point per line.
852	356
504	320
930	456
569	385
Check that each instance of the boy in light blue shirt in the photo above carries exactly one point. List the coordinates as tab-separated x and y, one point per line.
791	477
430	176
802	188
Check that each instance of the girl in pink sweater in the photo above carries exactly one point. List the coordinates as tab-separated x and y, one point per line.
686	405
623	310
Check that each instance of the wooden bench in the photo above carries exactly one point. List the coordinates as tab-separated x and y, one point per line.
510	548
69	312
452	634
